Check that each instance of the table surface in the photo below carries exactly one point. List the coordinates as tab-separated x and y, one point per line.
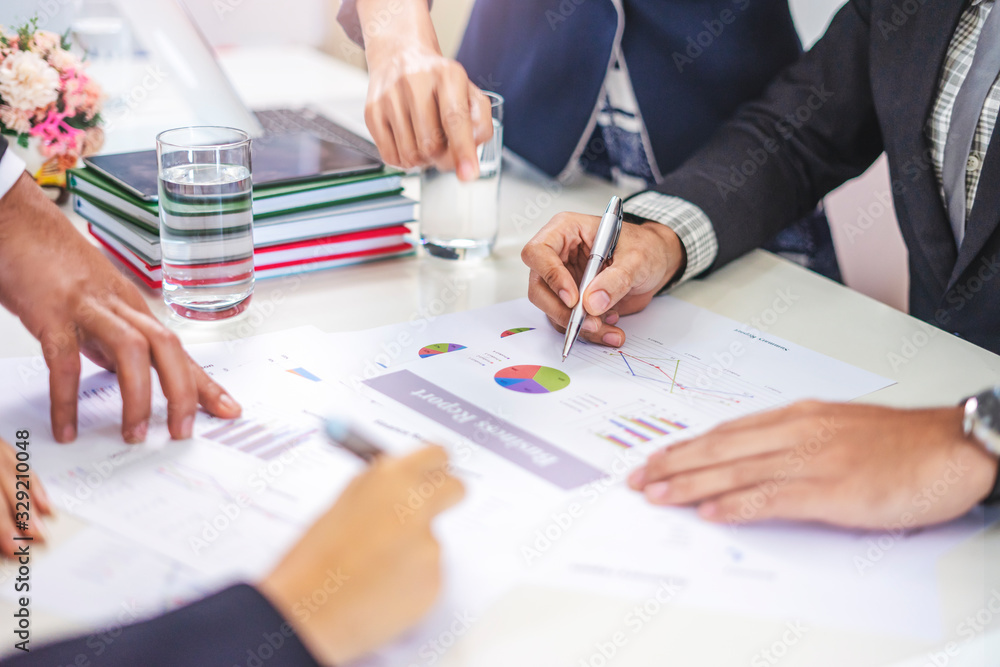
928	365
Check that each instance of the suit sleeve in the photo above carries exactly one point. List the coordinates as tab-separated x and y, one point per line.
3	145
814	128
235	627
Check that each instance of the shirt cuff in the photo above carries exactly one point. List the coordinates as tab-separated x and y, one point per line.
11	168
689	222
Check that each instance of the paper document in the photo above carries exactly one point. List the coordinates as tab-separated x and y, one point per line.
682	370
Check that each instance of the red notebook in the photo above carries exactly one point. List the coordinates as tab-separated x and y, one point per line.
281	260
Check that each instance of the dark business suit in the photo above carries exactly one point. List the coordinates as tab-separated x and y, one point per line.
691	65
867	86
235	627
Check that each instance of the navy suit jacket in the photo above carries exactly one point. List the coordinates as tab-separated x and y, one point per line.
866	87
692	63
235	627
3	146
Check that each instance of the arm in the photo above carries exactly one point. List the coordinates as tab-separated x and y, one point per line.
227	628
74	301
421	108
356	579
814	128
859	466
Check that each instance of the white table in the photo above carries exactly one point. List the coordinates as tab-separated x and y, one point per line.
557	627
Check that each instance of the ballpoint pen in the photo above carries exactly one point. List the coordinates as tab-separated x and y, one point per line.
343	435
601	252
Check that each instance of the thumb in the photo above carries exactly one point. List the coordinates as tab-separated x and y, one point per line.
615	282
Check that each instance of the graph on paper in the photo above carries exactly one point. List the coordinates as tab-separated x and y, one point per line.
636	425
706	385
102	404
264	439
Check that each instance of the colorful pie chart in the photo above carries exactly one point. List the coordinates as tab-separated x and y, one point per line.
511	332
532	379
439	348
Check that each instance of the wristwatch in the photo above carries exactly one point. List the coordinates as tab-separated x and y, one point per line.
982	422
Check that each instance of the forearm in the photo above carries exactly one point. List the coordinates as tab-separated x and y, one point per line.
813	128
385	27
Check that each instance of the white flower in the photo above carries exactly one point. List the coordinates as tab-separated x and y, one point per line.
64	61
15	120
27	82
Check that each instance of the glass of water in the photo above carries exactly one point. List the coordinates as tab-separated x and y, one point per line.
206	221
460	220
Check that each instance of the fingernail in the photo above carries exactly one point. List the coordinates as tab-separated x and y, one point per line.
67	433
611	318
466	170
138	433
636	478
187	427
590	325
228	404
599	301
657	490
708	510
40	528
566	297
612	339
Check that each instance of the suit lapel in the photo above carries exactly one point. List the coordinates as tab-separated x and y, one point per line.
985	214
915	56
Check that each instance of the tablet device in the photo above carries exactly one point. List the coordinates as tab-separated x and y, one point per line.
276	160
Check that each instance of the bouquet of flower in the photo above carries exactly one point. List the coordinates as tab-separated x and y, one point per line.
46	96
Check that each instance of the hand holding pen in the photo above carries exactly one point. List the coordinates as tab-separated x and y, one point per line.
646	257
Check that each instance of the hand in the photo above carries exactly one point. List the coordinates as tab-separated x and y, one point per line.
38	503
374	555
73	300
849	465
647	258
422	109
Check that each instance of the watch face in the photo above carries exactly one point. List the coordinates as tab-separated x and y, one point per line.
989	409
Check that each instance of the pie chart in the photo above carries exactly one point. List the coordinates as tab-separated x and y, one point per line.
439	348
532	379
511	332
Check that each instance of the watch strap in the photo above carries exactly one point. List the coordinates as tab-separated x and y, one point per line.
994	496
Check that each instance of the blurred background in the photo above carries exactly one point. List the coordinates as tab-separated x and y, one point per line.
869	247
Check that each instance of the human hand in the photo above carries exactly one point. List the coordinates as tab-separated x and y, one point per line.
422	109
29	493
849	465
647	258
379	549
73	300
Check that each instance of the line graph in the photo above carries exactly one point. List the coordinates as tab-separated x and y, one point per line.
708	385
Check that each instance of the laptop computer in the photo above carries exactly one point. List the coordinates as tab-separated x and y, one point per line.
168	30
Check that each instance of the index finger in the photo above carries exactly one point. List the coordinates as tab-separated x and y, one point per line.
456	119
543	255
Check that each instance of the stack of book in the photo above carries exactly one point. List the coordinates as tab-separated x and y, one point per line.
297	227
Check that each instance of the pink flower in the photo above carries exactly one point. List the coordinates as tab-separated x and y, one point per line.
57	137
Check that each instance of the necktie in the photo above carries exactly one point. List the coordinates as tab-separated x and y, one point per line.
964	119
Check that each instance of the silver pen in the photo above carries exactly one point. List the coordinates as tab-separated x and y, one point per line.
604	247
342	433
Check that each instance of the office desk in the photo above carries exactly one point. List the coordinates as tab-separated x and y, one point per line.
559	627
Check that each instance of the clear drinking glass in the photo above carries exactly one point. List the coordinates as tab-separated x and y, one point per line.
206	221
460	220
